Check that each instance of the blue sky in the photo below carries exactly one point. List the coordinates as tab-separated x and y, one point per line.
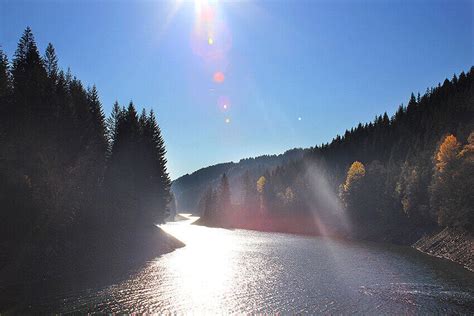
295	73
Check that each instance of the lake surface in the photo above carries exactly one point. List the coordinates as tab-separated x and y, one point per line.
240	271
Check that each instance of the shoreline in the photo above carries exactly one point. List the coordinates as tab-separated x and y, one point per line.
453	244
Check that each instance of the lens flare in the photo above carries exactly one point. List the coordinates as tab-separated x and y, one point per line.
218	77
223	103
201	37
207	14
227	120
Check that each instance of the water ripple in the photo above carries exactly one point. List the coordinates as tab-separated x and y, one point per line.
236	271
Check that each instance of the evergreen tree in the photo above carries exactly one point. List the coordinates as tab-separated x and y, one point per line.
224	202
163	179
412	191
5	94
55	148
172	208
98	138
51	62
137	167
120	177
111	125
465	185
5	79
207	205
29	76
248	192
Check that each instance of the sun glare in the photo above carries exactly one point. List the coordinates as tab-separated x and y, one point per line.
193	266
211	41
202	7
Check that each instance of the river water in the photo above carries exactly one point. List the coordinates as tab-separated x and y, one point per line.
241	271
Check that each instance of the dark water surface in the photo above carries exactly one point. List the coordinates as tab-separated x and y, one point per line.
240	271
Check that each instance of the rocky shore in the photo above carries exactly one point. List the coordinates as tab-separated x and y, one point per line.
455	244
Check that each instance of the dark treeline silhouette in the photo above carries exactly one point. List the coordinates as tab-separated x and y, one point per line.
68	175
391	179
189	188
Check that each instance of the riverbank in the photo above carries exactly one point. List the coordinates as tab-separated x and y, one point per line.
304	224
225	271
454	244
300	225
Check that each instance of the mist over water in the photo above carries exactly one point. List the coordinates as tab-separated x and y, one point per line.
241	271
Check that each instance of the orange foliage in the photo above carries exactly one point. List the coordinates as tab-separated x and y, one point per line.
447	152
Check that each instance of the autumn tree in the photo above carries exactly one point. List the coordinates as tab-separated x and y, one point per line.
451	188
445	180
261	183
351	190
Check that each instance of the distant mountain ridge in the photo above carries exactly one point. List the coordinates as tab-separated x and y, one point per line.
189	188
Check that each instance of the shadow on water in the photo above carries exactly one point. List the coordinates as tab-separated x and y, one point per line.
82	276
224	271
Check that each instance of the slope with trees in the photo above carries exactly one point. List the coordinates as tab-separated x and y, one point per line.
189	188
392	179
75	187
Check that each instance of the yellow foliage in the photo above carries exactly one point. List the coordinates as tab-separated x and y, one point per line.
261	184
451	189
447	152
356	172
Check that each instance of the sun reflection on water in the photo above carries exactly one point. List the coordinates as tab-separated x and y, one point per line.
222	271
204	273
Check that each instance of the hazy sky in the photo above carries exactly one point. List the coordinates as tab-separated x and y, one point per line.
290	73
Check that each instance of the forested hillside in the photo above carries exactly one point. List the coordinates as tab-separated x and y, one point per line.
68	174
390	179
189	188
